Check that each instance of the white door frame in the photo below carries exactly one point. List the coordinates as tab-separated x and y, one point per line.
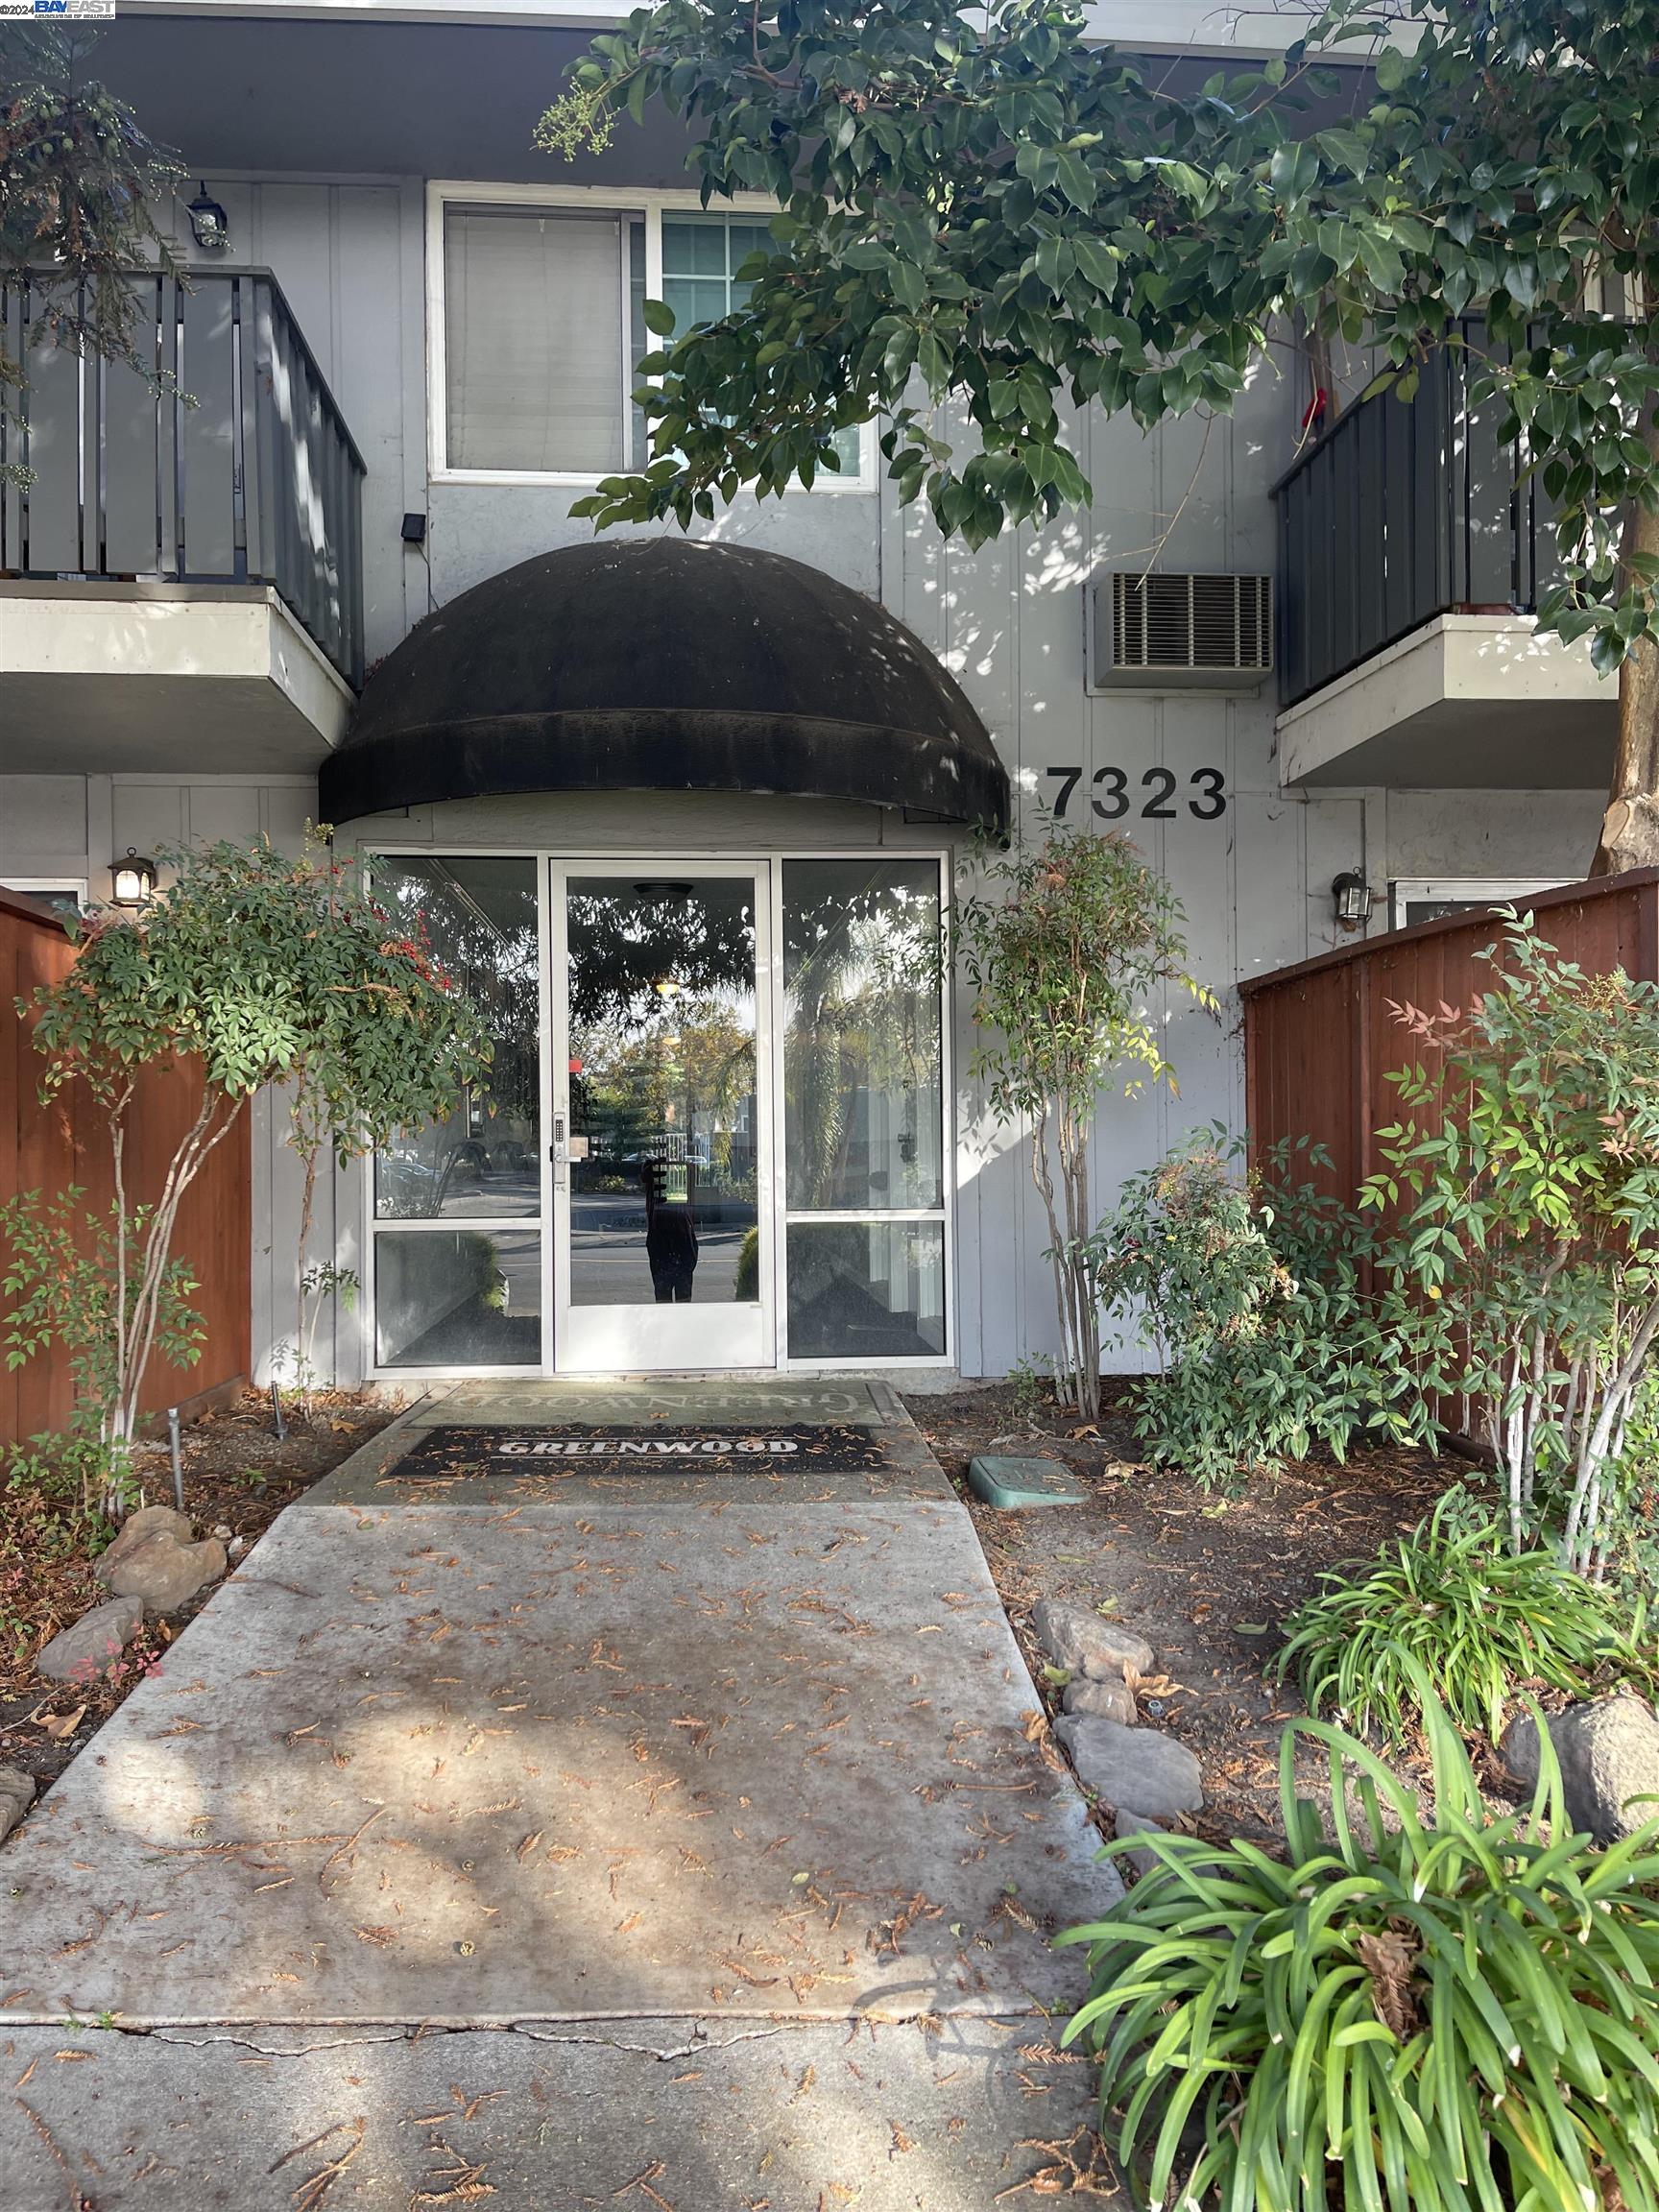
693	1338
553	866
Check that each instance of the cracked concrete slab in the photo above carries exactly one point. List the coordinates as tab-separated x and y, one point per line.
545	1773
871	2118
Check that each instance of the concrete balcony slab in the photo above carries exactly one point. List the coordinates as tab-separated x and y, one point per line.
192	679
1470	702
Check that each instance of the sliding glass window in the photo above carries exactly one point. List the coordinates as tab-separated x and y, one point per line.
863	1109
458	1202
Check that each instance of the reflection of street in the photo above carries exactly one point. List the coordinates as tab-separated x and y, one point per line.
412	1189
608	1261
497	1195
518	1262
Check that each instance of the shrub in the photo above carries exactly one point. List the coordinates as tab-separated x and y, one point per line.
1451	1606
1450	2013
1524	1173
265	967
1250	1294
1067	950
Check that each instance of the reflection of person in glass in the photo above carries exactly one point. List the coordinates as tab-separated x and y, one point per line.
667	1171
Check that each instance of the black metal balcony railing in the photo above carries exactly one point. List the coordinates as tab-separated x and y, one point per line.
1405	510
236	468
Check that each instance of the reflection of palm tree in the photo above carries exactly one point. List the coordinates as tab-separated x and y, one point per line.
697	1058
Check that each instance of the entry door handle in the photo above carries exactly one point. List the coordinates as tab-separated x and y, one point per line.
561	1151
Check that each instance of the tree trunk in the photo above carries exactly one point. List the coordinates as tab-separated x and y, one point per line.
1630	826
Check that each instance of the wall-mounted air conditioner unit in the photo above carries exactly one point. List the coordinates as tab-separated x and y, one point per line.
1176	632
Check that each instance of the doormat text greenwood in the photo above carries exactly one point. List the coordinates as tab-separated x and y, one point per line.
658	1450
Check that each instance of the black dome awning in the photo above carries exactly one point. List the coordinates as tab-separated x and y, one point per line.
666	664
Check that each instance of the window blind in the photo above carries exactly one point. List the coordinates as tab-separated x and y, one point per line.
534	340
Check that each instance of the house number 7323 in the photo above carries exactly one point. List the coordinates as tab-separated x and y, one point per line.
1109	793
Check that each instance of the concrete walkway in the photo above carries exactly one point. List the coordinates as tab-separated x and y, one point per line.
553	1829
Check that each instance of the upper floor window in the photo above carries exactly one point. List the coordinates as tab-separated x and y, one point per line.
538	327
537	338
701	257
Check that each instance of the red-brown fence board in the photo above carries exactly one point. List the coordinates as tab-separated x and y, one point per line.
1320	1040
48	1148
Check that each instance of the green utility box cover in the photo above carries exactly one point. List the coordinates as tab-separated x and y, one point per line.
1016	1483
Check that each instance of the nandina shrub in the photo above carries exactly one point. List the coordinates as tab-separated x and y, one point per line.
1068	945
263	967
1248	1291
1443	2012
1524	1175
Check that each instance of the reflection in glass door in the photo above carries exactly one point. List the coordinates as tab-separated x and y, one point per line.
663	1250
457	1253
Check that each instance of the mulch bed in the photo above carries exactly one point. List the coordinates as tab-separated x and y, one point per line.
238	1476
1208	1579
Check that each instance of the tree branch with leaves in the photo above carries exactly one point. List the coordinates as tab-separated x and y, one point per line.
80	183
987	220
261	968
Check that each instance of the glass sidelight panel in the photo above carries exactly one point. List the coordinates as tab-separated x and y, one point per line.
861	1049
458	1298
864	1110
866	1290
478	915
664	1124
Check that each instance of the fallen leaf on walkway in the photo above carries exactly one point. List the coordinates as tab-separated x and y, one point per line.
643	2181
310	2193
466	2179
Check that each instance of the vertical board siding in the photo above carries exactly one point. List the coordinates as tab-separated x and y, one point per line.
49	1147
1320	1039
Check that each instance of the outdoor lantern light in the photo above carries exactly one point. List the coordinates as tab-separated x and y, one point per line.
1352	895
208	222
134	878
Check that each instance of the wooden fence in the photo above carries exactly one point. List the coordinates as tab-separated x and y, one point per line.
48	1148
1320	1042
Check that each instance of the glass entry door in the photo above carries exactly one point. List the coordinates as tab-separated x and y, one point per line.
661	1142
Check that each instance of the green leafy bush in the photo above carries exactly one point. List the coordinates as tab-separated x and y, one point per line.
1523	1173
1066	945
1452	2012
746	1282
1252	1295
1451	1606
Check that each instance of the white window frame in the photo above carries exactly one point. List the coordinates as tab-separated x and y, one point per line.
650	207
1479	890
49	886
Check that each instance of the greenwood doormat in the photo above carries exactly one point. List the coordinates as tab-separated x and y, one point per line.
580	1448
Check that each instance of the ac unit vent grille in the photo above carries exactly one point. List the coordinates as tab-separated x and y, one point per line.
1187	627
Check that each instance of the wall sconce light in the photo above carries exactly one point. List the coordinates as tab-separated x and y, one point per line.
134	879
1351	896
208	222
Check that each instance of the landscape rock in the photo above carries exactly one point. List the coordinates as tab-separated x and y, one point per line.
1133	1823
138	1529
1132	1765
16	1796
1609	1756
1085	1645
90	1646
165	1575
1111	1700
